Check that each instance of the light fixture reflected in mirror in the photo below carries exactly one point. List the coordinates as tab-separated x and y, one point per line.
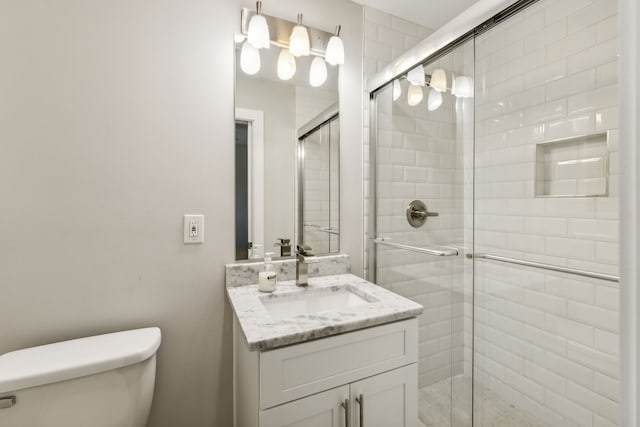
462	87
286	65
434	100
397	90
335	49
416	76
299	41
249	58
439	80
258	33
318	72
414	95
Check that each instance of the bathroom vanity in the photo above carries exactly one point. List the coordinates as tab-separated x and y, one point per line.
340	352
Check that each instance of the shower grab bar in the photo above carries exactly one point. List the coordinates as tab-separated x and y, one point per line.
435	252
557	268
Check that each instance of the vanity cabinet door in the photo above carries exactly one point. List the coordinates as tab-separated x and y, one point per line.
388	399
319	410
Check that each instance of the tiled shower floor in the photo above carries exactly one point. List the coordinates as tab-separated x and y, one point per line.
434	407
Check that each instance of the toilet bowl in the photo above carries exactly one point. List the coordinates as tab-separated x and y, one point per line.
99	381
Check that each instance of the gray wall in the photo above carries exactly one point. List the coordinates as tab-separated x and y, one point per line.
116	118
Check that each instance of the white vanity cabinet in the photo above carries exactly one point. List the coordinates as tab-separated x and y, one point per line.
367	377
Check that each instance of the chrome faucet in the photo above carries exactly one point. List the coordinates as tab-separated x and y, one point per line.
303	259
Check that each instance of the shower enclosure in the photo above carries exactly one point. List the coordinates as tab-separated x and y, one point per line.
509	138
319	183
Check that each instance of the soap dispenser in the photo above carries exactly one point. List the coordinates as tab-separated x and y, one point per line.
267	278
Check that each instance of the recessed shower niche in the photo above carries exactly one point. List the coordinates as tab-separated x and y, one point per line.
573	167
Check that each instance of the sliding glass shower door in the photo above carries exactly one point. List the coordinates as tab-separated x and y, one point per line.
422	183
494	204
546	197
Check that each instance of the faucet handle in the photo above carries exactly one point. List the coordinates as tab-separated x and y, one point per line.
304	250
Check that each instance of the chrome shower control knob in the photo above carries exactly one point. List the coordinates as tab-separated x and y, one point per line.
417	213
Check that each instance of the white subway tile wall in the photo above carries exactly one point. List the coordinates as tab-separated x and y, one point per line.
421	155
548	342
381	34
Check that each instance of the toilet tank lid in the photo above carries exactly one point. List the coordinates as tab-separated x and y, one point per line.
46	364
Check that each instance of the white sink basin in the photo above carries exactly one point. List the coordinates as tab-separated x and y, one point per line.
311	301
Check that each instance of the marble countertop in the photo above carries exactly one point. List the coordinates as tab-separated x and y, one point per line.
262	332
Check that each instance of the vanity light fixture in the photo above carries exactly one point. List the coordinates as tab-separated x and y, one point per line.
318	72
397	90
335	49
439	80
299	41
258	33
249	58
286	65
414	95
416	76
434	100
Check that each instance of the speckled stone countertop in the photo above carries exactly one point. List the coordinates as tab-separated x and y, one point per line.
246	273
262	332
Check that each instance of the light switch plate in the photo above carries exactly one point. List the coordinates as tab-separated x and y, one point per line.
194	228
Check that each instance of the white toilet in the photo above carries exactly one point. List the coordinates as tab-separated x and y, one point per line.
100	381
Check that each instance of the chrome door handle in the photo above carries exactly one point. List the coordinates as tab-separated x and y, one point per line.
360	400
347	412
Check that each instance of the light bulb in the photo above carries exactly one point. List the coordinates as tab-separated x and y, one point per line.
258	33
335	49
438	80
414	95
397	90
286	65
435	100
299	40
249	58
416	76
462	87
318	72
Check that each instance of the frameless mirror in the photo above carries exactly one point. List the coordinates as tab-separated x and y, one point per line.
271	113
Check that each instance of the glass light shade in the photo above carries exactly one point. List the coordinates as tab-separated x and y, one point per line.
462	87
439	80
414	95
318	72
249	58
416	76
239	38
397	90
286	65
299	41
258	33
435	100
335	51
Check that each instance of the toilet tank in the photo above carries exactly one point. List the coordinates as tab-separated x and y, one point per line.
99	381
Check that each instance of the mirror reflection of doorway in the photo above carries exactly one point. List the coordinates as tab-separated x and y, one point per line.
242	190
249	147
